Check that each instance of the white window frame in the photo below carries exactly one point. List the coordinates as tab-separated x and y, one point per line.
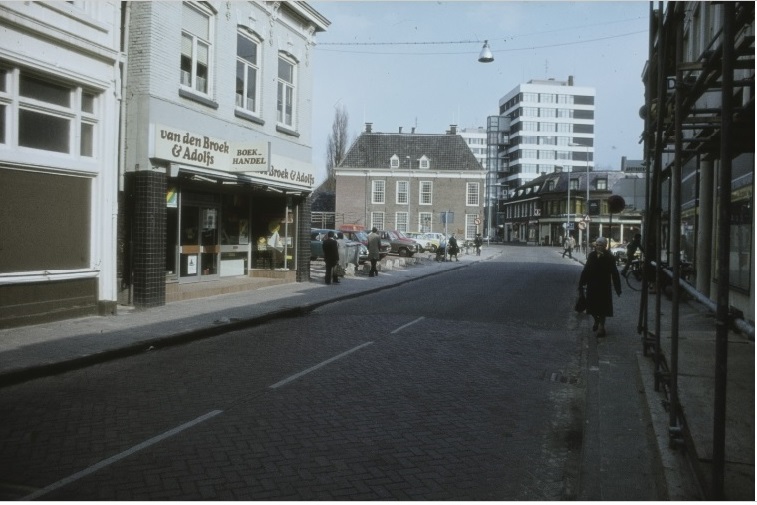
472	196
286	93
402	193
243	101
428	219
401	221
190	80
378	192
470	226
377	220
394	162
424	163
426	193
74	113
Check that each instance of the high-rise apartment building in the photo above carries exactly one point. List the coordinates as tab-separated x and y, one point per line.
551	127
476	140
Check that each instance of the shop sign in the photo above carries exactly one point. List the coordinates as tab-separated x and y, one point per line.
181	146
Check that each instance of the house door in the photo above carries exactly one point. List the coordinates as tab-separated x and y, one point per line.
200	248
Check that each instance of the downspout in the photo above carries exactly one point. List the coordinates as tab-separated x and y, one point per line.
126	6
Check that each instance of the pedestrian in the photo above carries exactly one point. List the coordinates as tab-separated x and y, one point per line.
633	246
374	250
331	256
599	276
478	242
568	246
453	248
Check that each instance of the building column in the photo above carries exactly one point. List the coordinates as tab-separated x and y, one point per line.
149	239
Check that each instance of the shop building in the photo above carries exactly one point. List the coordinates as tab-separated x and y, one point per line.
59	110
217	158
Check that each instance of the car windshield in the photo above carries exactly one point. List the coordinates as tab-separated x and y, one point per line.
400	234
361	236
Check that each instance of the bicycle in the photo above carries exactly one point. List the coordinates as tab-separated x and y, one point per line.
634	275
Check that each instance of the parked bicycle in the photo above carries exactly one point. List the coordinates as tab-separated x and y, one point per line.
634	275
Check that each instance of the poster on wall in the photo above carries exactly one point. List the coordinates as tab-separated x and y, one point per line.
192	264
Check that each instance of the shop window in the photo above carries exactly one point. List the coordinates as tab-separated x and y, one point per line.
196	35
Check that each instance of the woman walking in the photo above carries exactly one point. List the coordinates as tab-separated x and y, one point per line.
599	276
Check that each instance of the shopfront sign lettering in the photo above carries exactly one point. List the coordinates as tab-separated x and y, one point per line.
201	150
292	176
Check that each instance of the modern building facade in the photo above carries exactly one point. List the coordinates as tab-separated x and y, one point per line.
551	125
217	146
59	111
476	140
411	182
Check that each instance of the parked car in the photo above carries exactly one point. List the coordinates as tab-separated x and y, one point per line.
423	242
358	234
437	239
400	244
317	236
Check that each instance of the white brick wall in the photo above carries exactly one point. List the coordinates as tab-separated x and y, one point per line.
154	58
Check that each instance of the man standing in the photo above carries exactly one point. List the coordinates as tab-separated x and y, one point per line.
331	256
374	249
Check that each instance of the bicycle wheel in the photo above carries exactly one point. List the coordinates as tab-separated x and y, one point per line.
633	279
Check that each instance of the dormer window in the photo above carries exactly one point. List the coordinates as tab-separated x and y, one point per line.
551	186
394	162
424	162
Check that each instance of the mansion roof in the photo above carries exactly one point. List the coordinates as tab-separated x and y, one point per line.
443	152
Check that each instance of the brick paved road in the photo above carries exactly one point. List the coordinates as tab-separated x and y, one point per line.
429	391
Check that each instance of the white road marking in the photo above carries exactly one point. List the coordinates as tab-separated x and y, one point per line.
406	325
113	459
316	367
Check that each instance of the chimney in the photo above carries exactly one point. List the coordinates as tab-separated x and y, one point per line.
570	80
368	127
400	129
453	129
412	130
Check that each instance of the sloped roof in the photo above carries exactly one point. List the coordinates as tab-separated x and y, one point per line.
444	151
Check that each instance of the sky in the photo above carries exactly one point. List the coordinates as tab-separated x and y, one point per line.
361	63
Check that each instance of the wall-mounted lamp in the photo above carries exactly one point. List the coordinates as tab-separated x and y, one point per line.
486	55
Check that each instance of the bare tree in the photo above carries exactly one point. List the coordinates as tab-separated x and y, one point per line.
337	145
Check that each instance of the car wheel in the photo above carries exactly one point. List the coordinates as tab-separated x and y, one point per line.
403	252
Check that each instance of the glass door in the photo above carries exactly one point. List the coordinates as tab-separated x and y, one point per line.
199	248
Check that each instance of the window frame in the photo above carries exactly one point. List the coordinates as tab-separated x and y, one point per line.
426	189
256	67
78	113
401	221
472	194
378	220
378	189
399	193
195	38
282	86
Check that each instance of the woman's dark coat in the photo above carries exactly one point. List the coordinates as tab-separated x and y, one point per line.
599	275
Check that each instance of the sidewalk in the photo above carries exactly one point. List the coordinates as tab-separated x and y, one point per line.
696	371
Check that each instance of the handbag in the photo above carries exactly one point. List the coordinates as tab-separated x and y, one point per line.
581	300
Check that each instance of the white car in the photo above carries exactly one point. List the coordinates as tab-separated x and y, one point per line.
437	239
423	242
